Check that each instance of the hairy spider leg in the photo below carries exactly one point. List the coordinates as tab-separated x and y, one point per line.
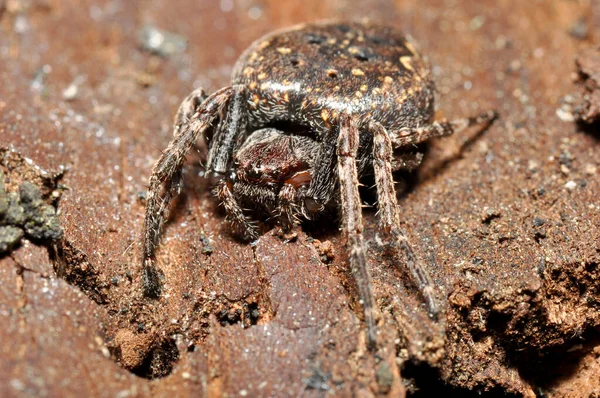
383	159
229	135
347	149
406	161
322	185
166	172
235	214
440	128
389	216
189	106
287	204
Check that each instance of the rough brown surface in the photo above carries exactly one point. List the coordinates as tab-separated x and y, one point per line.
507	223
588	69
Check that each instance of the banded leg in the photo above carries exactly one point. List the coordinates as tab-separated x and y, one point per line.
441	128
189	106
166	173
235	214
389	216
287	206
347	149
231	131
322	184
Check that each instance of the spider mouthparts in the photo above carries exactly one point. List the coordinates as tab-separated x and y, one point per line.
312	205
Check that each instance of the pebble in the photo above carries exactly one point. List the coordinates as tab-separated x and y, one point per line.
571	185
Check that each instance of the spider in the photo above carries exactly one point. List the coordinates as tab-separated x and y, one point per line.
309	112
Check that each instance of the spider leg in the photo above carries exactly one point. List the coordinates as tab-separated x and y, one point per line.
322	185
235	214
167	171
389	216
440	128
189	106
186	111
407	161
347	149
229	135
172	188
287	207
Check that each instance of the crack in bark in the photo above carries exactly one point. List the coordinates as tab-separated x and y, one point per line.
264	287
22	303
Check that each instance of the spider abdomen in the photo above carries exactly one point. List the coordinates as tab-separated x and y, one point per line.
310	74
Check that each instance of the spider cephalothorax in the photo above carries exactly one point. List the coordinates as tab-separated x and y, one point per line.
309	111
270	174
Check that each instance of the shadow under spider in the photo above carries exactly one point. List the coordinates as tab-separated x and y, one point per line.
434	167
591	129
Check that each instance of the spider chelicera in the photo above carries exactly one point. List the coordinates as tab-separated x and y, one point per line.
310	110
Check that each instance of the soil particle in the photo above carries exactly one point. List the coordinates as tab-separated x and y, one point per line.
160	42
132	348
385	378
325	249
207	247
588	72
580	29
10	236
25	214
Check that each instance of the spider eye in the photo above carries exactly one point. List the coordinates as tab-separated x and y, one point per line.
232	176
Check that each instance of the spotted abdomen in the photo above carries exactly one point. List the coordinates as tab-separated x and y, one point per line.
311	73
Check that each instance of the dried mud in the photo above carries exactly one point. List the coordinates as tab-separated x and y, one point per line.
506	222
588	70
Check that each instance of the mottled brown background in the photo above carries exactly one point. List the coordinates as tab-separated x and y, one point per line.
508	226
